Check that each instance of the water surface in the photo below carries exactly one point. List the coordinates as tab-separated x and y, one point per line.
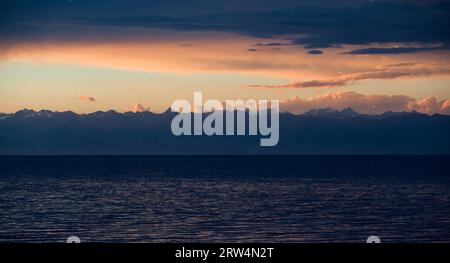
225	198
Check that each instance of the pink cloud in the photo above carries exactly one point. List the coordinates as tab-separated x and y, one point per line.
368	104
431	105
140	108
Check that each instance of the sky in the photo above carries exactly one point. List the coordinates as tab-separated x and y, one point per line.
85	56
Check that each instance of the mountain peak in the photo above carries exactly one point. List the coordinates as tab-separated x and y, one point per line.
100	114
24	111
167	111
332	113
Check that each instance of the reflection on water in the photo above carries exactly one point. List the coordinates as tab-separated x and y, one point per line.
230	199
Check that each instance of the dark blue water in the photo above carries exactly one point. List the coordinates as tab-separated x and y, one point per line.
231	199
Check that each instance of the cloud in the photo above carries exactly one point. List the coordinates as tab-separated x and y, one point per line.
367	104
445	108
87	98
323	25
207	52
148	43
392	71
273	44
431	105
140	108
393	50
315	52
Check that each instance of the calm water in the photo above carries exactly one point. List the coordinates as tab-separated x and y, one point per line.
231	199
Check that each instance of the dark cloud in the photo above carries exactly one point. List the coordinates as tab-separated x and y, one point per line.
37	9
87	99
315	52
252	50
322	26
306	84
273	44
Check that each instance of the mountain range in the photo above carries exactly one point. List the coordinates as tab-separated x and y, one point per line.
320	131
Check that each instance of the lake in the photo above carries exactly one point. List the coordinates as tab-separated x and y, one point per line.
224	198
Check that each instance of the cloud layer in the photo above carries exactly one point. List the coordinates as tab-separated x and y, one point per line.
393	71
368	104
324	25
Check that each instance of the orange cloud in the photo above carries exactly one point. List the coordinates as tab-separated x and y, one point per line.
394	71
87	98
190	52
218	52
368	104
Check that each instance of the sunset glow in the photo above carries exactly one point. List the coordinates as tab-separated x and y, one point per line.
123	65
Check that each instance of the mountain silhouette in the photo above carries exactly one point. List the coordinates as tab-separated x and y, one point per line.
321	131
332	113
